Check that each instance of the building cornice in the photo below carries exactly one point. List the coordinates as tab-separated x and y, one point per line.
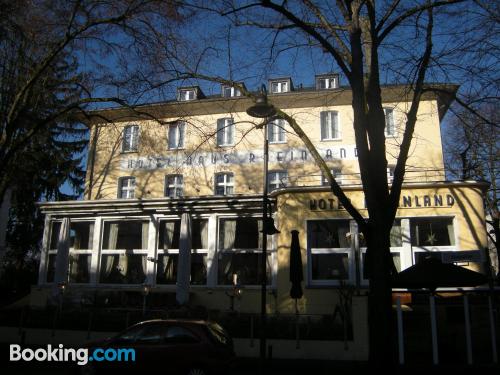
482	185
302	98
247	203
236	203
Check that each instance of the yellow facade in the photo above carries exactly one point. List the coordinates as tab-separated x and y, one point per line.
107	162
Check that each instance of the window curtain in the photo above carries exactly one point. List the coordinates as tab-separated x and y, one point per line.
261	235
181	126
396	235
342	233
145	235
168	268
334	124
230	131
107	266
324	125
220	131
144	266
73	267
112	236
90	244
228	234
451	233
168	234
204	233
123	264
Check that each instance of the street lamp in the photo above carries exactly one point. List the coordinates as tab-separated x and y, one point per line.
262	109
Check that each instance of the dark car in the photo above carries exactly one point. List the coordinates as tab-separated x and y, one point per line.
166	347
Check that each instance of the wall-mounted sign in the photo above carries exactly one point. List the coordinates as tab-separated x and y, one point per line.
205	159
407	201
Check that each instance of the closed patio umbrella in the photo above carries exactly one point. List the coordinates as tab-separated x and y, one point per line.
184	263
431	273
296	273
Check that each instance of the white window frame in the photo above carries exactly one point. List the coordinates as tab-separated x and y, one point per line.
176	132
389	122
143	252
225	132
437	248
186	95
177	185
341	250
160	251
276	131
328	129
129	190
337	174
233	91
271	255
331	82
51	251
277	179
279	87
89	252
132	143
390	173
224	184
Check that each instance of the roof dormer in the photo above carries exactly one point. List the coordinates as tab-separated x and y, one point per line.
228	91
280	85
185	94
327	81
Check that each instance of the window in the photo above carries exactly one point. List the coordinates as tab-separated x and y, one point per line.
225	132
55	229
180	335
390	130
174	186
130	138
176	135
337	174
276	180
80	252
229	92
168	252
329	251
240	252
276	131
124	252
329	125
278	87
325	83
435	231
224	184
396	243
126	188
390	173
187	94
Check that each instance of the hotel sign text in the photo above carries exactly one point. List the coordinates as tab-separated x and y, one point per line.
407	201
205	159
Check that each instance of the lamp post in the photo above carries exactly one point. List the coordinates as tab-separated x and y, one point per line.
263	110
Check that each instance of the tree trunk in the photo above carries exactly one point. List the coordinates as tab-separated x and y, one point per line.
380	316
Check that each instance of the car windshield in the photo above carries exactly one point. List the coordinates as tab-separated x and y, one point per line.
218	333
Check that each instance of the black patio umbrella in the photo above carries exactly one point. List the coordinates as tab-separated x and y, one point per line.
296	273
431	273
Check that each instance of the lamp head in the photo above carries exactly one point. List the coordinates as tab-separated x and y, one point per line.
269	227
261	108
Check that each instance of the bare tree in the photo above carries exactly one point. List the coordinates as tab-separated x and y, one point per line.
473	152
370	44
109	45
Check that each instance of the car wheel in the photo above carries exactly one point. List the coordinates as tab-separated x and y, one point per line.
196	371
